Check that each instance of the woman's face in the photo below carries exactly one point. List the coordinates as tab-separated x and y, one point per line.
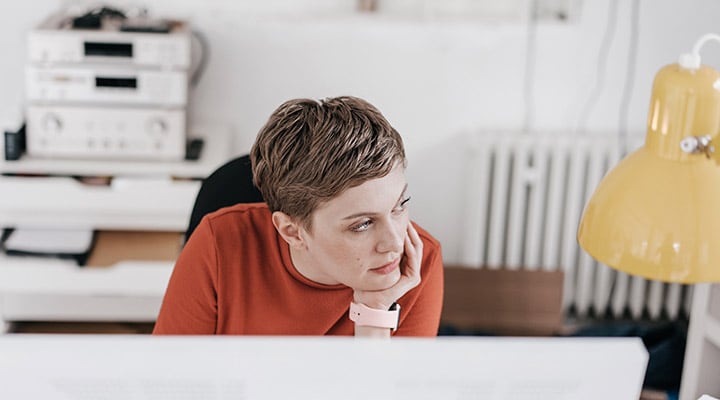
357	239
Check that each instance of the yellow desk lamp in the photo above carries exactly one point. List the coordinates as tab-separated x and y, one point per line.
657	213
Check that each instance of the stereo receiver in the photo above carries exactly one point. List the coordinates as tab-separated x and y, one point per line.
53	41
112	133
106	85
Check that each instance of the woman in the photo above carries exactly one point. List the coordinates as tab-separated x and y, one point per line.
332	250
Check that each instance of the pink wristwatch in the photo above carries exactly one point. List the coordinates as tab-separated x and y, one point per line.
363	315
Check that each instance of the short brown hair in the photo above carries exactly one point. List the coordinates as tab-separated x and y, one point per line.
311	151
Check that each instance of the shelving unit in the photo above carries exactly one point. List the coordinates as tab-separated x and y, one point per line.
141	196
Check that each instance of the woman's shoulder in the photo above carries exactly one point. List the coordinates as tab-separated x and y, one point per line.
240	210
240	213
239	219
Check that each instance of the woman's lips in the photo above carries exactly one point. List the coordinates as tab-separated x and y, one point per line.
387	268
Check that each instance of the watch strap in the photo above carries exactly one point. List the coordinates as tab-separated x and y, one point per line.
363	315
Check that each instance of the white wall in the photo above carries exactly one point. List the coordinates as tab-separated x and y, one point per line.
434	78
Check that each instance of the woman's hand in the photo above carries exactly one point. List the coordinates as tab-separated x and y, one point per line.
409	275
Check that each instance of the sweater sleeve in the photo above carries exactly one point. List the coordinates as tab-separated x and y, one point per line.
190	302
423	304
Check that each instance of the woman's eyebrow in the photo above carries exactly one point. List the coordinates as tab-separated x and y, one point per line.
368	213
402	194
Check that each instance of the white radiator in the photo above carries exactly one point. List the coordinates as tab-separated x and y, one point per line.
526	196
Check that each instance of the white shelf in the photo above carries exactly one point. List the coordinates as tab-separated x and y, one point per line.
141	196
64	277
126	204
216	150
58	290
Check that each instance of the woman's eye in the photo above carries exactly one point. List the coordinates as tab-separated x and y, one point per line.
363	226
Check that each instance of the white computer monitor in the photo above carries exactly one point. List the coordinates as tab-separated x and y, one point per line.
109	367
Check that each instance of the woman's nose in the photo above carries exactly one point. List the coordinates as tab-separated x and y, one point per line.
392	238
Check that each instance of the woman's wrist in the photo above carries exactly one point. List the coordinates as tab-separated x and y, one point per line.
372	331
377	304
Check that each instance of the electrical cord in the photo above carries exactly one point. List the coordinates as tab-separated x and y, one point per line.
629	78
204	48
528	85
693	60
704	39
601	64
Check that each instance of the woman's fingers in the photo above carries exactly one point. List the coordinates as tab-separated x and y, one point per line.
413	252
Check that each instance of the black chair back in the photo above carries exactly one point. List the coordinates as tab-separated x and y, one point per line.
230	184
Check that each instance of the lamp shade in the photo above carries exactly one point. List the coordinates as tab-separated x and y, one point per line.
657	213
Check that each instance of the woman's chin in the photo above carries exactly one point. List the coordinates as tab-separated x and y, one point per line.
387	281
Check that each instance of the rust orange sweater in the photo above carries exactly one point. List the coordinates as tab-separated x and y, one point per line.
235	276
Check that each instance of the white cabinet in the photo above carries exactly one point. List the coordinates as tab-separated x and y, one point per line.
133	203
34	289
141	196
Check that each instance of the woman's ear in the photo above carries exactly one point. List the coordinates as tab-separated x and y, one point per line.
289	229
